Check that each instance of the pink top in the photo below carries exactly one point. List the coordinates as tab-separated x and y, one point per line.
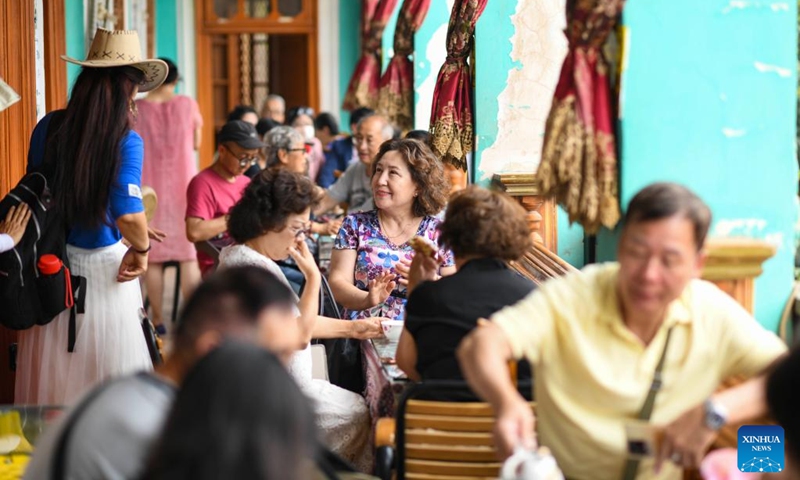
210	196
167	129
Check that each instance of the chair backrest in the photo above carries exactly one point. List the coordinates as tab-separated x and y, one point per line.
209	249
439	440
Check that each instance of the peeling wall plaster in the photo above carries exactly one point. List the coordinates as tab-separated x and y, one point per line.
740	227
746	4
538	47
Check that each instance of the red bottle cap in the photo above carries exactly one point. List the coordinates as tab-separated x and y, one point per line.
49	264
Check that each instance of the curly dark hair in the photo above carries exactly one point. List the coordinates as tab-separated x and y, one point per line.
268	200
483	223
427	172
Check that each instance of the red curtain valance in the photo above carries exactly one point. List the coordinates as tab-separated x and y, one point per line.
397	82
579	158
451	116
365	82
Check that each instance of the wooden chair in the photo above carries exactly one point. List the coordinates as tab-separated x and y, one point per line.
438	440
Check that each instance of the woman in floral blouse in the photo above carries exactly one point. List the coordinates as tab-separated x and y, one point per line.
410	188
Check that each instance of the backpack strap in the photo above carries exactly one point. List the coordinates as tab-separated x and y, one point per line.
79	307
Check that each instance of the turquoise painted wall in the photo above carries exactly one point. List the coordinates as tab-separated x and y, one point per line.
349	48
387	42
166	31
493	34
570	241
709	101
73	23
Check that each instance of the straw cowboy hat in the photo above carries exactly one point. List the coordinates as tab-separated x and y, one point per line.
120	48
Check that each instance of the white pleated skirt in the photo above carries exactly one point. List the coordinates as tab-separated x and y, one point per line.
109	340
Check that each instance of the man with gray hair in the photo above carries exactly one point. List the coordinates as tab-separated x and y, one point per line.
286	146
354	186
274	108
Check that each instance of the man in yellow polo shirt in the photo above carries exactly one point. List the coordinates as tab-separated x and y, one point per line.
595	339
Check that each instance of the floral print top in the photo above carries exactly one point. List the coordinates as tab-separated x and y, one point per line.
376	253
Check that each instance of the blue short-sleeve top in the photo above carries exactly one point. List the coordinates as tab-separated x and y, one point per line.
126	191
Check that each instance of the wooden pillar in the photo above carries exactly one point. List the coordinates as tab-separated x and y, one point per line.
18	70
733	265
540	263
542	213
55	45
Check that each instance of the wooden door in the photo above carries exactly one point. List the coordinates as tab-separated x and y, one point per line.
247	49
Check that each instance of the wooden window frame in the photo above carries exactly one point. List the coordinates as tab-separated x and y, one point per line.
274	22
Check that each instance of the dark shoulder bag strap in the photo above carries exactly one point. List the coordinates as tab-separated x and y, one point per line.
58	468
632	465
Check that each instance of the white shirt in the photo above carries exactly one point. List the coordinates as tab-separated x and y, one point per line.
6	242
114	434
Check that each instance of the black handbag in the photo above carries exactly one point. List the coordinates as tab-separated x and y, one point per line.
345	366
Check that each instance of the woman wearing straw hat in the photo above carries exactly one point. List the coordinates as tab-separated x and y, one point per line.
97	187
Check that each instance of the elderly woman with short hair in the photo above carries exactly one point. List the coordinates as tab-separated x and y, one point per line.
485	230
409	189
286	147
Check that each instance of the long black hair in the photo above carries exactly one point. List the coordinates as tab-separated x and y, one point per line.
88	141
238	415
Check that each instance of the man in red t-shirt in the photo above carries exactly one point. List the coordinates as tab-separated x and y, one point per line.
213	191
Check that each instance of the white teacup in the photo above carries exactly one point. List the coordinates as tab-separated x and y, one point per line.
392	329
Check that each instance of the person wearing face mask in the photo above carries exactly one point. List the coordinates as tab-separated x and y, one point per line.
216	189
302	120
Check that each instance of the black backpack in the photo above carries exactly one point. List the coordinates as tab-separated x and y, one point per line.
27	297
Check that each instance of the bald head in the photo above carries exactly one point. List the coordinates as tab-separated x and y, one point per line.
274	108
370	134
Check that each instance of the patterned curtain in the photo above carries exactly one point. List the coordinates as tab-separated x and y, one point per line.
579	159
451	115
365	82
397	82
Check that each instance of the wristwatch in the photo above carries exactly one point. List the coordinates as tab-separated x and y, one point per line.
715	415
